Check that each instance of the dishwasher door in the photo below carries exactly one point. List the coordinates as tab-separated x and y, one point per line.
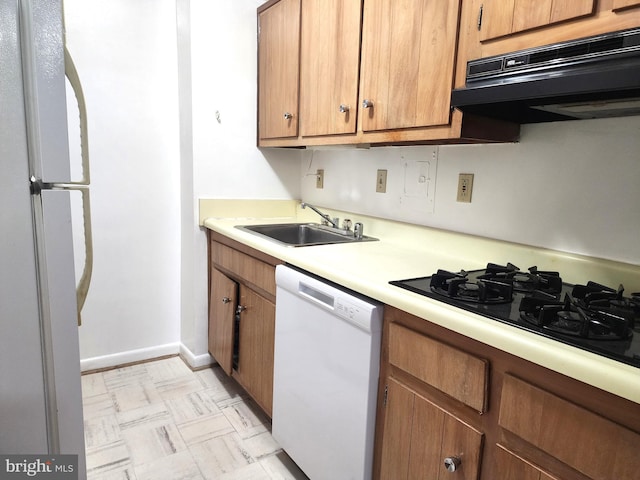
326	366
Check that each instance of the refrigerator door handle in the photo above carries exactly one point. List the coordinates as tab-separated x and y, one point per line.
82	288
37	185
72	75
83	185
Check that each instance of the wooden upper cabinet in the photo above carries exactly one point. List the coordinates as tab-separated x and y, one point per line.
512	25
408	56
278	69
567	9
505	17
399	55
496	17
329	66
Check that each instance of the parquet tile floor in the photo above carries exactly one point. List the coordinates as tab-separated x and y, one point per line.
162	421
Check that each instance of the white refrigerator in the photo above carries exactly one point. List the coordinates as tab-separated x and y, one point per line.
40	393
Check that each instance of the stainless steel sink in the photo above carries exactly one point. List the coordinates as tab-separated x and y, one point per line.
303	234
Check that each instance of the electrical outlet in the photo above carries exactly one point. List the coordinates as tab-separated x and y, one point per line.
381	181
320	178
465	187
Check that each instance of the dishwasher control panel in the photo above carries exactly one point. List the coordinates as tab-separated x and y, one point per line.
359	315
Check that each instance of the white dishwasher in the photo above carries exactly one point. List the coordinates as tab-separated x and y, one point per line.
326	365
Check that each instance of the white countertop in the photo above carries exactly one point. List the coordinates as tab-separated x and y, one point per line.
408	251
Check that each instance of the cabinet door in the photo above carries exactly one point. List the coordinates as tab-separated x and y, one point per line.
565	431
222	304
278	67
497	18
620	4
398	422
329	66
408	50
419	436
509	466
504	17
255	346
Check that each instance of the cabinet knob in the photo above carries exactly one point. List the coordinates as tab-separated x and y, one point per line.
367	103
344	108
288	116
452	463
226	300
240	309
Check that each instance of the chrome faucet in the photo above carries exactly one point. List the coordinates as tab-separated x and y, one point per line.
325	218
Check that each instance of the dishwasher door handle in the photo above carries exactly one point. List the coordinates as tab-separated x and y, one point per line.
316	295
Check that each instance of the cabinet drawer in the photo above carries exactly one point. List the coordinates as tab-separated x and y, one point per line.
587	442
244	267
452	371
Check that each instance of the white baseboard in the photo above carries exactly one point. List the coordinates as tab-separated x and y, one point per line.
131	356
142	354
195	361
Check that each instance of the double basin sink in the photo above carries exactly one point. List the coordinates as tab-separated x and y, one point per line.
304	234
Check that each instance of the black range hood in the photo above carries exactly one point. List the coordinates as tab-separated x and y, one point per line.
593	77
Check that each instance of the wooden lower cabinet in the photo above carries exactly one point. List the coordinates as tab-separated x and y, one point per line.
257	326
509	466
622	4
583	440
223	301
420	439
528	423
242	315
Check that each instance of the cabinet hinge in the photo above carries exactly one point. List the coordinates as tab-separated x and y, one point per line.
480	16
386	393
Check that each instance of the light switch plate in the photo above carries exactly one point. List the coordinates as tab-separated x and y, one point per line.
381	181
320	178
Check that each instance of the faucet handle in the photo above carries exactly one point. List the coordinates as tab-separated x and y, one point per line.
358	229
346	224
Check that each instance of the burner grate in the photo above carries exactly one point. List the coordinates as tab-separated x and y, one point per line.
483	290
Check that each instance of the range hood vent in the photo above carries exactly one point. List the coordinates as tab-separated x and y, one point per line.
594	77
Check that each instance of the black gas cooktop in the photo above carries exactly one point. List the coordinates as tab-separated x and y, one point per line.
592	317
